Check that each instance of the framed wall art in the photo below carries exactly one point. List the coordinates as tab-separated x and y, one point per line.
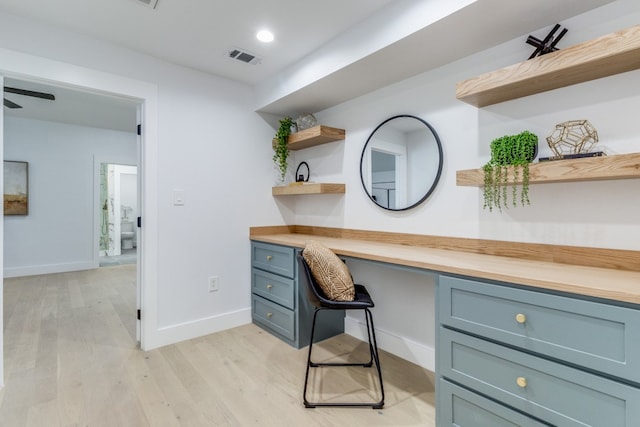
16	188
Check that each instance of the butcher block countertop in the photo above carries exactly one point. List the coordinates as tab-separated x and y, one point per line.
607	273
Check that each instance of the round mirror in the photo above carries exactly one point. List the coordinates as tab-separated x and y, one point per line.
401	163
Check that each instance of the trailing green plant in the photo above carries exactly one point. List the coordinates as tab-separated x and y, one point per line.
510	150
281	146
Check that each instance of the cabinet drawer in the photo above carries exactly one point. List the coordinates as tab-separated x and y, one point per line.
273	316
274	258
460	407
273	287
549	391
595	335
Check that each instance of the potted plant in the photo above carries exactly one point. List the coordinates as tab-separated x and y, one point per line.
281	146
510	150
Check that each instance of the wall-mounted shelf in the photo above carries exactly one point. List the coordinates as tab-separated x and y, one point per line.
316	135
313	188
611	54
621	166
311	137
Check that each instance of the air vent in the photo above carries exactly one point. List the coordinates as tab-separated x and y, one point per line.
149	3
243	56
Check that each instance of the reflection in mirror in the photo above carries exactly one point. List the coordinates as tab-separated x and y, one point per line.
383	178
401	162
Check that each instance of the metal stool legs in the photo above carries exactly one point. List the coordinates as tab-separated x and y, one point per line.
374	358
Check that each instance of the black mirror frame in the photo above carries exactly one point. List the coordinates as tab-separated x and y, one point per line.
440	163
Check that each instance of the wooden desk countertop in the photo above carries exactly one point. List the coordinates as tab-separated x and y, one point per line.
608	283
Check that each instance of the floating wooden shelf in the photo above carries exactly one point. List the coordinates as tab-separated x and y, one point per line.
605	56
316	135
314	188
621	166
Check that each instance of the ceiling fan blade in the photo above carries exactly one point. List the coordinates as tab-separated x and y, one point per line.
30	93
10	104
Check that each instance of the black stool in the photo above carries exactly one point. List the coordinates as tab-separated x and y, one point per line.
362	301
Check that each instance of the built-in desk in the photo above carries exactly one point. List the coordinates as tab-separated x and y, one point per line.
610	283
549	333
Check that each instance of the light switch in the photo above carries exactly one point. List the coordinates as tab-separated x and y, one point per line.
178	197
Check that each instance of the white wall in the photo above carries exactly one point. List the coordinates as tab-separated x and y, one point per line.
58	234
595	214
129	192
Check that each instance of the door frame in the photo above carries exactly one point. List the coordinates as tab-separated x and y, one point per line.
29	67
97	203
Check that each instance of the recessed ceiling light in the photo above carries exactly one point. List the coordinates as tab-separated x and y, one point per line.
265	36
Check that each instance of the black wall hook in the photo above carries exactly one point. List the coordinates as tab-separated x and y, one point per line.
300	177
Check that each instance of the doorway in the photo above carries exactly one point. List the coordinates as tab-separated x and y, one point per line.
59	145
118	206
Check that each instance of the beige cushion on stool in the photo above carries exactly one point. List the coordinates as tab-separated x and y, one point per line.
329	271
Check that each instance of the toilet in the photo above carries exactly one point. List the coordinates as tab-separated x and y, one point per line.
127	234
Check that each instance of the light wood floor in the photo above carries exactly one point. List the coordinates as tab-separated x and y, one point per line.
71	360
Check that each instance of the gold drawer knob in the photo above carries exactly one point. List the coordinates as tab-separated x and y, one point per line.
269	286
522	382
521	318
269	257
269	314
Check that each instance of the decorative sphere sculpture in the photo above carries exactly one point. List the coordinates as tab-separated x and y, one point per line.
306	121
572	137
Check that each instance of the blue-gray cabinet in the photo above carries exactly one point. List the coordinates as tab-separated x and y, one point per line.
513	356
278	297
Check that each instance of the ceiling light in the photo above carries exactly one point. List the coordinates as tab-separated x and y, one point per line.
265	36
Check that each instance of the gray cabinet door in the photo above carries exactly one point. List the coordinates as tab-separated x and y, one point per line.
273	258
459	407
552	392
598	336
274	317
273	287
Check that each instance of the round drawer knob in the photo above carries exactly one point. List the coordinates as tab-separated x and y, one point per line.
522	382
269	286
269	257
269	314
521	318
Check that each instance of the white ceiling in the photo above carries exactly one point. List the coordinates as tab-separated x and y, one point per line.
73	106
194	33
199	33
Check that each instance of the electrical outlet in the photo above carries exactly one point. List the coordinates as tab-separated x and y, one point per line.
213	283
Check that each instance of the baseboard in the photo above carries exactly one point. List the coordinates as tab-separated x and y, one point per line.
407	349
47	269
198	328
